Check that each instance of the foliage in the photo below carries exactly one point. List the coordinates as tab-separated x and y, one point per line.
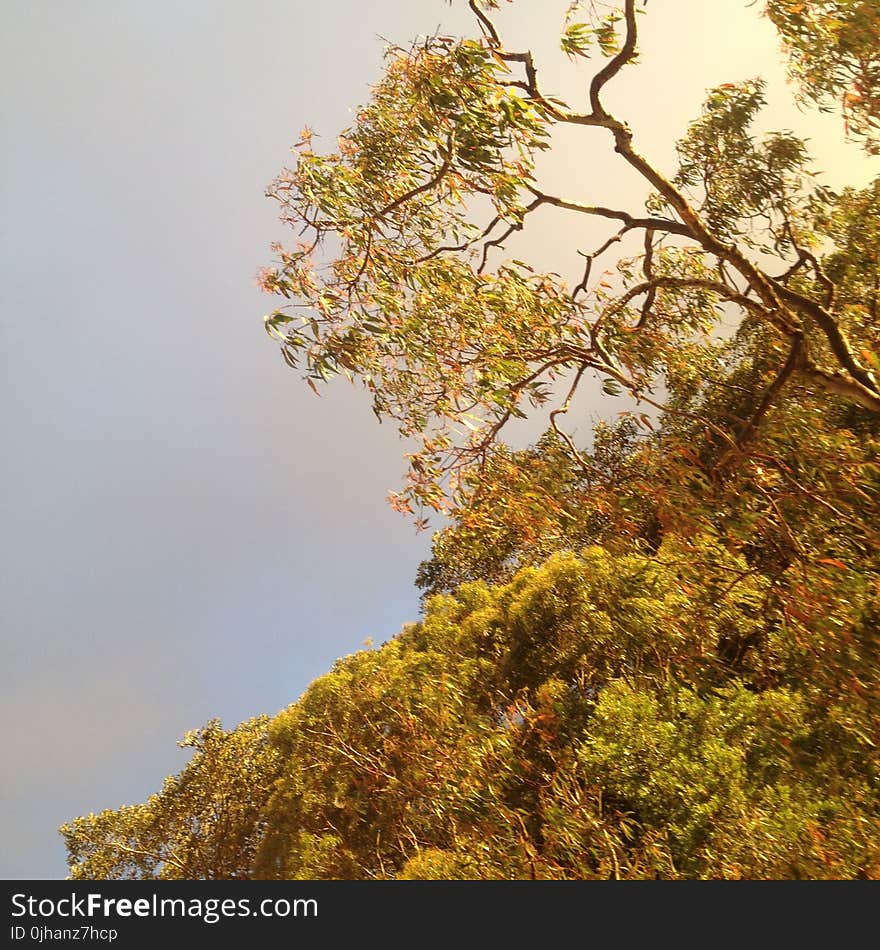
588	719
653	656
835	53
203	824
394	284
525	505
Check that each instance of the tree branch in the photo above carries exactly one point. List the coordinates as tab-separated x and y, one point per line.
464	245
497	242
836	338
421	189
487	25
648	270
794	357
840	385
582	286
685	283
561	410
612	68
631	221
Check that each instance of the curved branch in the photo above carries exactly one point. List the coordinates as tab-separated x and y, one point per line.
863	388
561	410
798	264
421	189
648	269
840	385
805	256
823	278
612	68
531	83
631	221
693	225
497	242
487	25
464	245
582	286
795	356
836	337
693	283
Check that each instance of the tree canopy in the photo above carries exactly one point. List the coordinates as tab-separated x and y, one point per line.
651	655
204	824
395	279
598	716
835	55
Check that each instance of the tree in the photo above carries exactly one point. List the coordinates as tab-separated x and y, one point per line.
581	721
407	300
651	656
835	47
205	823
588	719
765	446
522	506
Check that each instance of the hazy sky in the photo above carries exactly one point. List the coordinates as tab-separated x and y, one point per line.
187	531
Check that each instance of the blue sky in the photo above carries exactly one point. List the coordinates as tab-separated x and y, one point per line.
187	531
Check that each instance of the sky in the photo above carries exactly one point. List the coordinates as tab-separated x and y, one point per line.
187	531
